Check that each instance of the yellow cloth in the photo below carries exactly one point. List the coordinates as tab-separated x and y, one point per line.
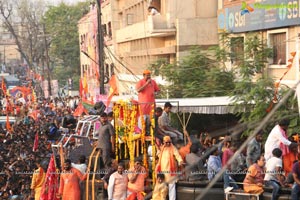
37	182
165	161
160	191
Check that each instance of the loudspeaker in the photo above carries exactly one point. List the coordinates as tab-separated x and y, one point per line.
99	107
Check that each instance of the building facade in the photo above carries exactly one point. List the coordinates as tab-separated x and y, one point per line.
276	21
136	36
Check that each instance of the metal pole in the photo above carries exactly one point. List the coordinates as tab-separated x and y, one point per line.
47	61
100	48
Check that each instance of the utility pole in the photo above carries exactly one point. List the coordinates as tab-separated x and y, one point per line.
100	48
47	61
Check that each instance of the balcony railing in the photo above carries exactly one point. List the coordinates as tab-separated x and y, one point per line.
154	26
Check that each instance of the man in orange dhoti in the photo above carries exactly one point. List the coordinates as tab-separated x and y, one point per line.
168	166
69	188
136	177
38	180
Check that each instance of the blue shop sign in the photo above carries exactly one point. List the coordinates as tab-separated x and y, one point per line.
258	16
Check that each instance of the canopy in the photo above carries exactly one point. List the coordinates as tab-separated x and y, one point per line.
204	105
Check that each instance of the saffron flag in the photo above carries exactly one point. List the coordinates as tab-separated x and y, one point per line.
113	89
3	86
275	100
36	142
8	127
19	91
50	186
79	110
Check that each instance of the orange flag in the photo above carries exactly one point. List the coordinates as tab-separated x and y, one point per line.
113	89
3	86
293	53
79	110
8	127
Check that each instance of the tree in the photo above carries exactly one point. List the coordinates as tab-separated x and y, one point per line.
61	25
22	19
197	75
255	92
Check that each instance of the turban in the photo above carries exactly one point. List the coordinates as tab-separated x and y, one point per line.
167	139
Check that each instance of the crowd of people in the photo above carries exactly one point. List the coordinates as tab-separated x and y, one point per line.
26	153
25	145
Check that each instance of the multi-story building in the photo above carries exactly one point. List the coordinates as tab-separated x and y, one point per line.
10	57
135	37
276	21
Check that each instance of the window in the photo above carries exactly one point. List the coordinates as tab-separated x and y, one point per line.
109	29
112	69
104	29
129	19
107	69
236	49
278	42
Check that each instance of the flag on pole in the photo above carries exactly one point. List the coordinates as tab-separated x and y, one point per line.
79	110
3	86
36	142
113	89
8	127
50	186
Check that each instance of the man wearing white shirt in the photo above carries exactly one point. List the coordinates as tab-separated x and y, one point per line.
278	139
273	177
81	166
117	184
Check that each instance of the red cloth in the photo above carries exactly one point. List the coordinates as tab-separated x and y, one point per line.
285	149
227	154
3	86
36	142
135	195
50	187
288	161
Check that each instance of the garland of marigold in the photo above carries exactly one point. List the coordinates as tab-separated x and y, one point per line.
143	133
132	123
116	111
152	128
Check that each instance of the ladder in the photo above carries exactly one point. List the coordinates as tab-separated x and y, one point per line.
93	160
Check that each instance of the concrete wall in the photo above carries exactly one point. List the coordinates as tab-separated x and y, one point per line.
197	31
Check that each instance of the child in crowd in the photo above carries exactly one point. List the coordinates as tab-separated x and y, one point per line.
161	188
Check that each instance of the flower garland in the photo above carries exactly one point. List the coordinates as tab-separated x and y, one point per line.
152	128
143	133
116	111
128	113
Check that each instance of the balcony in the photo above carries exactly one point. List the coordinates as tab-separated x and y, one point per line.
154	26
151	51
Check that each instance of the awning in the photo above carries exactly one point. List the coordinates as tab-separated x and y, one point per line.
204	105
